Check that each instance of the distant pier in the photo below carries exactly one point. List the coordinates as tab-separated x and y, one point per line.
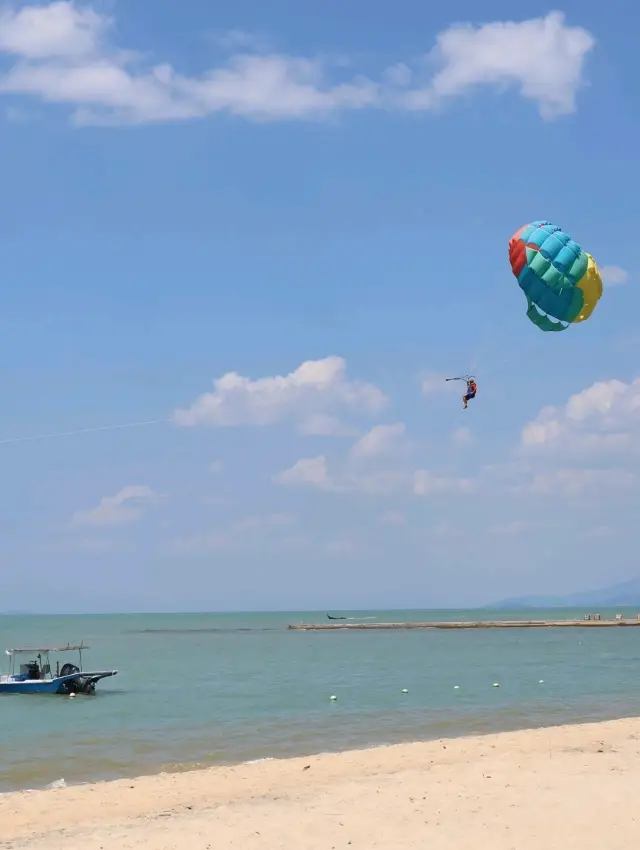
590	623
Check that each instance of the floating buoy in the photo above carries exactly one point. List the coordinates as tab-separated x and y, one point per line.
456	687
496	684
405	691
333	697
541	682
72	696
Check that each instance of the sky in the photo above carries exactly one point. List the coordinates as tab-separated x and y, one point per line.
259	237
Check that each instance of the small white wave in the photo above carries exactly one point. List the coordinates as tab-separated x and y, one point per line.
259	761
59	783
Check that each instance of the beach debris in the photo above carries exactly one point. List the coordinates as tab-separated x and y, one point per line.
306	767
333	697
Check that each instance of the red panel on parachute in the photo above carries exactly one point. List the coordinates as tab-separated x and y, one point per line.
517	252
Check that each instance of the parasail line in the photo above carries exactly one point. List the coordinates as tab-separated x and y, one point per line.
82	431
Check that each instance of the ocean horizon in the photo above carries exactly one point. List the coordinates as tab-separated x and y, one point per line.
196	690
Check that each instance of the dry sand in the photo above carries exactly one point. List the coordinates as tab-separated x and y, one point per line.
551	789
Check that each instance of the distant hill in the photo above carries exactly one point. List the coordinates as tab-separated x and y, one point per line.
621	595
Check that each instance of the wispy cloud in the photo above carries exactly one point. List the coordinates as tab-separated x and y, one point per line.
435	383
614	275
246	533
426	483
307	472
64	55
393	518
322	425
237	39
463	436
581	482
380	440
128	505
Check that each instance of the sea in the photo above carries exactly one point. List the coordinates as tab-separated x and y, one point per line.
196	690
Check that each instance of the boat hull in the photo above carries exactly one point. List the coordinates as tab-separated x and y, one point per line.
50	687
84	683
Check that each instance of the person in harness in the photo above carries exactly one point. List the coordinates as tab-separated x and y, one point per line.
472	388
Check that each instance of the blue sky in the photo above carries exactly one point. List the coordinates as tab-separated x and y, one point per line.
196	203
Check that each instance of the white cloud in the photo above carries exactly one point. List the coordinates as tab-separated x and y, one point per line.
463	436
435	383
314	473
543	57
376	482
237	39
508	529
581	482
312	388
393	518
63	56
613	275
128	505
245	533
55	30
343	546
307	472
373	467
601	418
427	484
446	531
380	440
321	425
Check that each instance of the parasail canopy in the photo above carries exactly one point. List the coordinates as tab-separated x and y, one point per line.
560	280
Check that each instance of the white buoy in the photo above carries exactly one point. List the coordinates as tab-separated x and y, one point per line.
72	696
333	697
541	682
456	687
405	690
496	684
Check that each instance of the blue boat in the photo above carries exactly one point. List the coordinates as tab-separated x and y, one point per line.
37	677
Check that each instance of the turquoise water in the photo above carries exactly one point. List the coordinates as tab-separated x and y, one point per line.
205	689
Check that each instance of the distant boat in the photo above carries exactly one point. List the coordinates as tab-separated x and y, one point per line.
36	677
329	617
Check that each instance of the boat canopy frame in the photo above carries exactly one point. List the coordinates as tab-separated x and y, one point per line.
42	654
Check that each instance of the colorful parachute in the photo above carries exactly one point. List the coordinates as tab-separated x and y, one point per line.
560	280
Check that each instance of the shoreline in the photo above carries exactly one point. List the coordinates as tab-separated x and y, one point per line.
473	729
277	795
149	771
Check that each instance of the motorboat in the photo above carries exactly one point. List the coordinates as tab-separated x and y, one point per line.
36	675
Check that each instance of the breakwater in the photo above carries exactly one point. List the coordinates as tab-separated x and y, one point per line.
470	624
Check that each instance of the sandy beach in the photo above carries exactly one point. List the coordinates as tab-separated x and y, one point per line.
565	787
